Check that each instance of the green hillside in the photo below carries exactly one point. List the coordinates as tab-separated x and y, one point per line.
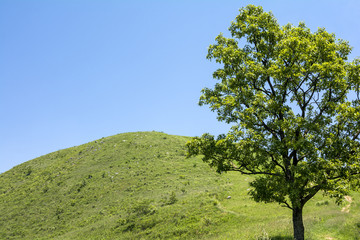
141	186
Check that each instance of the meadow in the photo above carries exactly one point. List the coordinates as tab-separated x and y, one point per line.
141	186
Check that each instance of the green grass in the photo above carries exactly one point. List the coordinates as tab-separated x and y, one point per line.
141	186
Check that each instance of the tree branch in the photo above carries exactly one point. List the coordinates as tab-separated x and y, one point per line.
356	135
271	86
312	193
287	205
339	177
251	172
272	131
276	162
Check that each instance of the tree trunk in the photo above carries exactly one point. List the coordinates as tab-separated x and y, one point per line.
298	223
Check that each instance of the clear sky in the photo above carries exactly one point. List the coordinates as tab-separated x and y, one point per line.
73	71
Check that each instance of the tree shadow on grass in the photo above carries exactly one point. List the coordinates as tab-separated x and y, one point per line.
281	238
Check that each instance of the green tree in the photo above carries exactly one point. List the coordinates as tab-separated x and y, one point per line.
293	100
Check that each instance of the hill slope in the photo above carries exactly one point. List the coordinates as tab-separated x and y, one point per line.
141	186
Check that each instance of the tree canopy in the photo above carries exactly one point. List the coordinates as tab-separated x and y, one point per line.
292	97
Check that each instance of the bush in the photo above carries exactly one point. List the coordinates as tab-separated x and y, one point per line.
143	207
172	198
137	217
320	203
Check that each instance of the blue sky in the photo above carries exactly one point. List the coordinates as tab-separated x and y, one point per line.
75	71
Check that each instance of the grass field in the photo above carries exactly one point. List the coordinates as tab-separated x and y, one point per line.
141	186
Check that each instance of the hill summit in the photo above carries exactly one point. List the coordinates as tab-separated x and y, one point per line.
122	186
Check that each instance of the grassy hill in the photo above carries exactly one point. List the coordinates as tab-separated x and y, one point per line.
141	186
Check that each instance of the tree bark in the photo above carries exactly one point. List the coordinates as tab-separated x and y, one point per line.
298	224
